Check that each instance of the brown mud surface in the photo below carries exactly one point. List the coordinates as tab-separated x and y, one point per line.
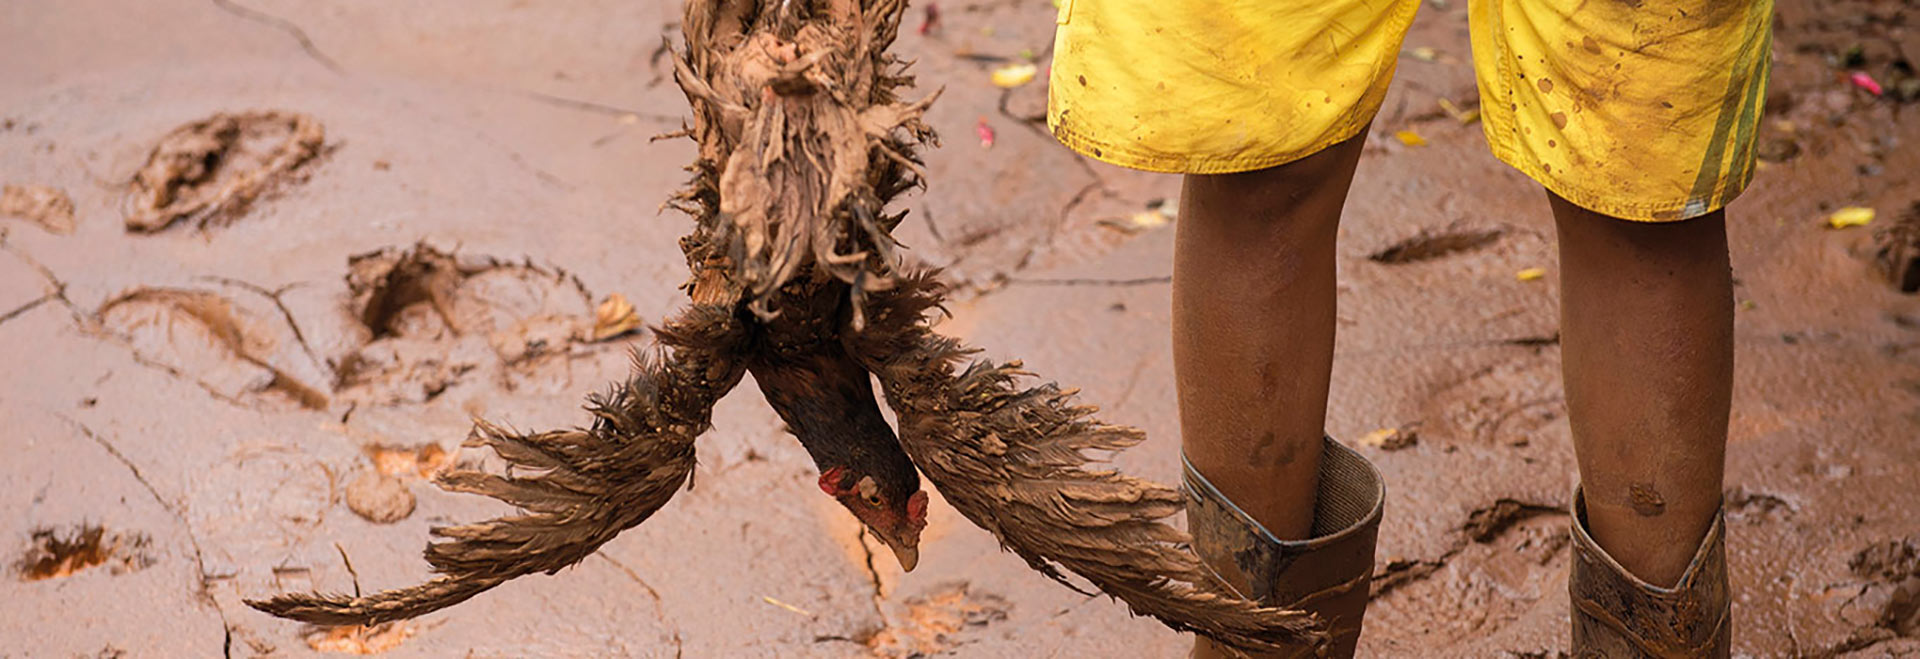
383	220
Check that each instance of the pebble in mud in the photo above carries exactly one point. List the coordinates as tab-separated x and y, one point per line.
379	498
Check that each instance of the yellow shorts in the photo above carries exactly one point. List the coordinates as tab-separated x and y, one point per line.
1639	109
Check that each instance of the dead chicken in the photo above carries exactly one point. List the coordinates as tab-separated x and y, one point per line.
802	142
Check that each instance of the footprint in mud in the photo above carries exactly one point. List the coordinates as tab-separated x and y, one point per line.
260	500
429	318
233	350
54	554
208	172
1513	403
938	621
1890	599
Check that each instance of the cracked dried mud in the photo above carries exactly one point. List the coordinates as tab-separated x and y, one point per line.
275	256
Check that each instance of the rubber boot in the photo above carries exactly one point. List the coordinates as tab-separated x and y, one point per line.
1328	574
1618	616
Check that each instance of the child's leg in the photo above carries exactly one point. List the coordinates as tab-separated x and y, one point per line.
1647	343
1253	318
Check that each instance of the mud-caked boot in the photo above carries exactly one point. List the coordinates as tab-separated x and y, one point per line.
1618	616
1327	574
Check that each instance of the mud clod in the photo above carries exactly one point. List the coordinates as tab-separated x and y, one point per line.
1428	245
1647	501
209	171
54	554
380	498
46	206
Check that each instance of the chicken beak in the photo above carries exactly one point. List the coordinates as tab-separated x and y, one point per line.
909	556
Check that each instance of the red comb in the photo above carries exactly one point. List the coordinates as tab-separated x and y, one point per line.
830	480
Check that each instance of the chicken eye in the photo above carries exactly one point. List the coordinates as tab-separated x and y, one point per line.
873	499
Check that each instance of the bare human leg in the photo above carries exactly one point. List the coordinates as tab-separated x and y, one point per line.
1253	319
1646	315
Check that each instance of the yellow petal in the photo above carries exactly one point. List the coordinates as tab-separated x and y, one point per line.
1851	216
1014	75
1410	138
1530	274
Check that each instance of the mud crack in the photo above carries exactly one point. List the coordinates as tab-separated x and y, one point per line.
659	607
203	593
284	25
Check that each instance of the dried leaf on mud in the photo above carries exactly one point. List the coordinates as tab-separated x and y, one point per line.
1158	214
1391	439
614	317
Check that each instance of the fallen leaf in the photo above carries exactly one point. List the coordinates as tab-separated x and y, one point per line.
1851	216
985	132
1410	138
360	639
1424	54
1155	216
1530	274
1862	80
1392	439
1464	116
614	317
1014	75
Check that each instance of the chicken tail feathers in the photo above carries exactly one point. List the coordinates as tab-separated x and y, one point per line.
579	488
1014	461
384	606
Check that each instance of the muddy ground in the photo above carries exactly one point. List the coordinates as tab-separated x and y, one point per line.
208	398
